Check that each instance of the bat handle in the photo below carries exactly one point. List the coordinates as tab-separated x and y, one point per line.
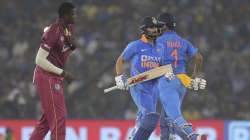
110	89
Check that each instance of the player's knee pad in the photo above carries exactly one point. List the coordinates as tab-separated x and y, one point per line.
166	122
167	128
149	121
147	126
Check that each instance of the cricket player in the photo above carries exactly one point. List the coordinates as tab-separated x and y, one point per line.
56	45
143	55
177	51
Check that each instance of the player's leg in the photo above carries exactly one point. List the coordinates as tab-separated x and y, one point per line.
146	122
182	92
42	127
136	98
56	109
171	101
147	126
166	127
166	96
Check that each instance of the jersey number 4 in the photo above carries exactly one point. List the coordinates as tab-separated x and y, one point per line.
174	54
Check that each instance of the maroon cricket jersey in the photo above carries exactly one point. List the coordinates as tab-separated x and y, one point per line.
54	41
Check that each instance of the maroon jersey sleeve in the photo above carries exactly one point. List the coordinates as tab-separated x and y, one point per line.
50	37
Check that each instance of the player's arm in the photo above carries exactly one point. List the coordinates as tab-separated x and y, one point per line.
198	60
127	54
119	66
196	56
44	63
49	39
120	79
198	81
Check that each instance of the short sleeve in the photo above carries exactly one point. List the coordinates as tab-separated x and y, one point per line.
129	52
50	37
191	50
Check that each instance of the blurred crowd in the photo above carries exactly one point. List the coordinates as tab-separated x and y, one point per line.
219	28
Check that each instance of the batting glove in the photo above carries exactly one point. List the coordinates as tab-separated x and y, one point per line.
197	84
203	84
170	75
121	82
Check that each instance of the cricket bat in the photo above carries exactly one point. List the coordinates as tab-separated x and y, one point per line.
145	76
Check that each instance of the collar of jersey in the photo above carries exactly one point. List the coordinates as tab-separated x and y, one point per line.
144	39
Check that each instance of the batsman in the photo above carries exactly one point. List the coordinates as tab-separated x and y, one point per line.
143	55
177	51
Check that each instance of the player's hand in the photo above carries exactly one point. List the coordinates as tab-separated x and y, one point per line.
70	42
197	84
170	75
68	76
121	82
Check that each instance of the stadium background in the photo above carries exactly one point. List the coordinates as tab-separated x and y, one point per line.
219	28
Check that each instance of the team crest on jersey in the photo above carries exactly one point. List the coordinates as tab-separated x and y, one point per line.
57	86
157	50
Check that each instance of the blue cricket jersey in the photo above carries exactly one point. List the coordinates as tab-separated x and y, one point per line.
175	50
143	56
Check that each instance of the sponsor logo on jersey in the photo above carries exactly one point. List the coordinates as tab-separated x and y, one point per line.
150	58
150	61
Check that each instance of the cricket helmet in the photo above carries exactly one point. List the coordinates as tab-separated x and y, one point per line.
149	22
167	19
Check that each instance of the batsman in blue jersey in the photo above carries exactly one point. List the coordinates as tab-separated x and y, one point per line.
143	55
177	51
